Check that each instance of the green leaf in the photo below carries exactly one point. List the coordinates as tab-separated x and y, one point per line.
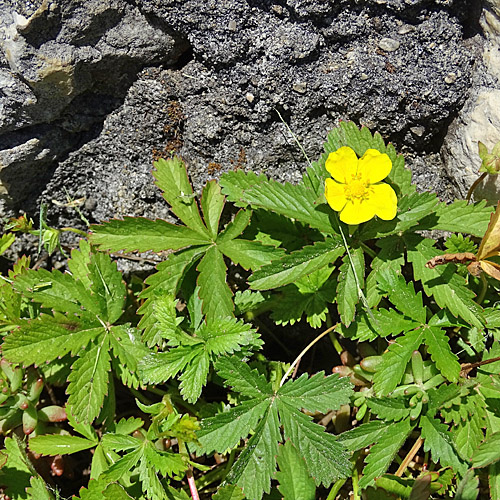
88	381
227	336
468	434
391	409
53	290
228	492
460	217
212	203
437	441
440	351
297	264
243	379
225	430
443	283
294	201
293	475
310	295
166	281
350	282
107	287
38	489
402	294
171	177
257	462
494	480
383	452
47	338
129	350
137	234
316	393
234	228
468	487
325	456
214	291
60	444
488	452
6	241
362	436
234	184
250	254
394	362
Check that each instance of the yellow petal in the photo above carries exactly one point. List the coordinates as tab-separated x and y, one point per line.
374	166
334	194
342	164
356	212
383	201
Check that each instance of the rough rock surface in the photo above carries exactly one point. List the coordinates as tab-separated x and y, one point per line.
479	119
89	89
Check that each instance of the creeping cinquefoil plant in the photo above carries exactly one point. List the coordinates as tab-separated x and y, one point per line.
296	342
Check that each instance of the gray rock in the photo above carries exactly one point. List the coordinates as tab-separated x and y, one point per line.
479	119
91	88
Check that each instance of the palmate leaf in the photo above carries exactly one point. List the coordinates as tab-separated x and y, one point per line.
297	264
394	362
141	453
257	462
350	282
54	290
249	254
325	457
195	354
293	475
468	434
88	381
437	441
443	283
228	492
107	287
383	452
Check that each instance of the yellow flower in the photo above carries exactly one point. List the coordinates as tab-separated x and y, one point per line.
355	190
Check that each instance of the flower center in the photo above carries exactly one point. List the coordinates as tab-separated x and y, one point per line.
356	189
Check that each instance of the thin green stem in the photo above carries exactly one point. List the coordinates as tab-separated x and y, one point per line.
335	342
484	288
74	230
335	489
367	249
355	478
474	186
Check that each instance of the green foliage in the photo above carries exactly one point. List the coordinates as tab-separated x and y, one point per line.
218	348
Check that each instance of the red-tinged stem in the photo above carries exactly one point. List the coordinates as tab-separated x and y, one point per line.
192	485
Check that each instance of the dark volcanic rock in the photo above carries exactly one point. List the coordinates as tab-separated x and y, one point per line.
90	88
